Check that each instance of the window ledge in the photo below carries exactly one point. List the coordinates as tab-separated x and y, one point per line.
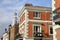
37	17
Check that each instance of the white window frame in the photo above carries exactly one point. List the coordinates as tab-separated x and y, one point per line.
39	16
36	25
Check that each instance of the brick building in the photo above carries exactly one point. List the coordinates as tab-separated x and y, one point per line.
35	23
56	17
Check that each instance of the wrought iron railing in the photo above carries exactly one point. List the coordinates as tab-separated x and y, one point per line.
56	16
56	11
37	34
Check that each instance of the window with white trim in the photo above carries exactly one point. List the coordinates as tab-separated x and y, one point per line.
37	30
36	14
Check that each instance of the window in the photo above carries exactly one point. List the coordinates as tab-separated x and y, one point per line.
37	31
51	30
36	14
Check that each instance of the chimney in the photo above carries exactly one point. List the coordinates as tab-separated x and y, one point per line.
5	29
10	26
28	4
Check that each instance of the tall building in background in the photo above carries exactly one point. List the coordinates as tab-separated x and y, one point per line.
56	18
13	30
35	23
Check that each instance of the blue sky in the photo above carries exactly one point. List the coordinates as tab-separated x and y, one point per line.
9	7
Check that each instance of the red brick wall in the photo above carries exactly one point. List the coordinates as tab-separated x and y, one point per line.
22	18
22	30
57	3
43	15
30	34
58	34
45	28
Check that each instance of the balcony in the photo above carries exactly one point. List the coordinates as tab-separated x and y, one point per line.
48	38
44	38
37	34
19	37
56	17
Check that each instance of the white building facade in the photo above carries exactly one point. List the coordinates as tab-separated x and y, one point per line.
6	36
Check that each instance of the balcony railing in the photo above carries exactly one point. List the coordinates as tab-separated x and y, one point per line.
37	34
48	38
18	36
56	17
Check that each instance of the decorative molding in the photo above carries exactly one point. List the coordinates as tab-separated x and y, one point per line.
54	31
53	7
34	8
39	21
21	23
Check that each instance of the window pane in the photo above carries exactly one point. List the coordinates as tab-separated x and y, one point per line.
36	14
51	30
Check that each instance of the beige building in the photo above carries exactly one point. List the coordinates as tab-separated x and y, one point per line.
13	30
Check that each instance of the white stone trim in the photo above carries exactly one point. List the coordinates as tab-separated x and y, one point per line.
39	16
53	7
39	21
22	13
28	38
54	31
34	24
26	23
34	8
37	25
6	36
21	23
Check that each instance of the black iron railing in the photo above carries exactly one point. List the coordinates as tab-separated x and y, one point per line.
56	16
56	11
18	36
37	34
